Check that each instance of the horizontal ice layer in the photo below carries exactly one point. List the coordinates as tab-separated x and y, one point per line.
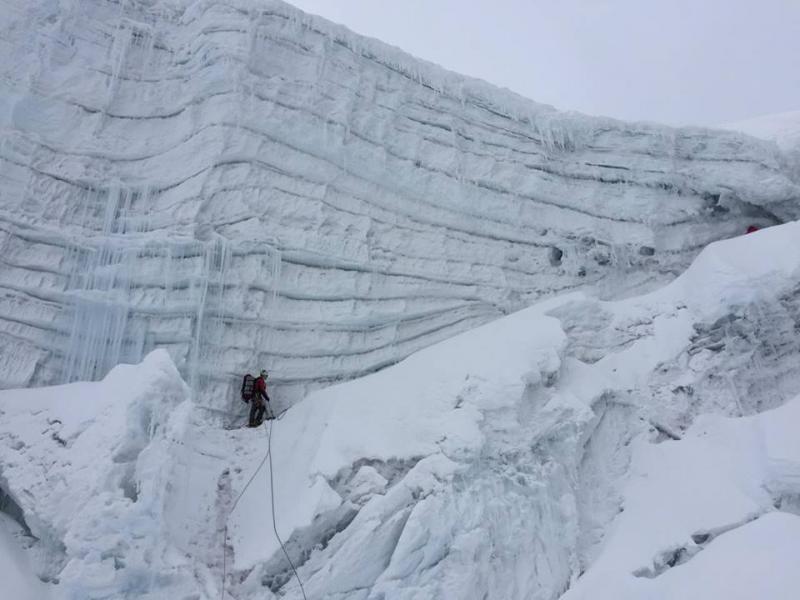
384	203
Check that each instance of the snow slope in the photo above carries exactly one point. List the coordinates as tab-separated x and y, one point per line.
19	581
699	515
575	445
86	465
782	128
245	185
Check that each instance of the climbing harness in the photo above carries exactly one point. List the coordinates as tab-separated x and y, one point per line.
239	421
267	457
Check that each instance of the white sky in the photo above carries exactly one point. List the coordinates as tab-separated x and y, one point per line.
675	61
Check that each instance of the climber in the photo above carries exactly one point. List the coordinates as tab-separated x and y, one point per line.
752	228
254	391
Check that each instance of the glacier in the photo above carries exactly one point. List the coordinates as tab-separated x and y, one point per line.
579	448
517	353
246	185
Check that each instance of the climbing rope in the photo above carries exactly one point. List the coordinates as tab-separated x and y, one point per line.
230	512
234	422
224	564
267	456
272	503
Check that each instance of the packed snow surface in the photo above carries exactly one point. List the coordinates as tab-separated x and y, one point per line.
697	516
245	185
19	581
641	448
88	468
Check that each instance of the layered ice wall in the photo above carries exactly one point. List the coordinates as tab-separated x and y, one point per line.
247	185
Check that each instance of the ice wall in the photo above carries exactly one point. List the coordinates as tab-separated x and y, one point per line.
248	185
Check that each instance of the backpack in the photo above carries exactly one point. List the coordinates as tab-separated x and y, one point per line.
248	388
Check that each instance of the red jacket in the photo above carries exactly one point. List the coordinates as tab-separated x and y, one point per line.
261	388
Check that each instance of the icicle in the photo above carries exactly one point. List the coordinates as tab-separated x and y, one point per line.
122	270
99	283
99	314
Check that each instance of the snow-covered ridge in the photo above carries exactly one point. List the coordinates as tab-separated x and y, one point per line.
782	128
554	452
244	184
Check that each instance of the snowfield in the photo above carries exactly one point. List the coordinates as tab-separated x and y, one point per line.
642	448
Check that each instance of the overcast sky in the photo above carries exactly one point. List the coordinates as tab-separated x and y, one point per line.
675	61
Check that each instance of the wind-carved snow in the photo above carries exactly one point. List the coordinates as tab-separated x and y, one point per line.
781	128
713	492
543	455
385	204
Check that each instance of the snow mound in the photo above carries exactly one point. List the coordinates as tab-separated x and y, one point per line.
81	461
741	269
704	501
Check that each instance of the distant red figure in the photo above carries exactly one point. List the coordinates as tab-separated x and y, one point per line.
752	229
